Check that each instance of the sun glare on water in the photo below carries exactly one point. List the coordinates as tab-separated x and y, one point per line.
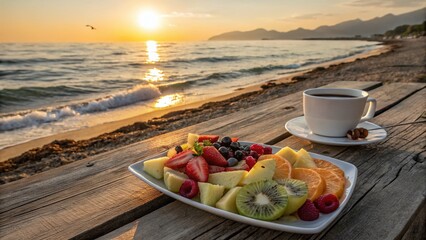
149	20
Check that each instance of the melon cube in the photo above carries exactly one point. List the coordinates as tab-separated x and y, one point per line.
304	160
173	179
227	179
154	167
288	153
192	139
210	193
228	201
262	170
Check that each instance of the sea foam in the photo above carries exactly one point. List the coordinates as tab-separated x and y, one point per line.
136	94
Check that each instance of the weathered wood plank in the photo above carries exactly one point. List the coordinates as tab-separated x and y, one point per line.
222	228
390	188
390	179
105	196
125	232
417	229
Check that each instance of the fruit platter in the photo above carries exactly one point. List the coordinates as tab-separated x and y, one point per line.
261	185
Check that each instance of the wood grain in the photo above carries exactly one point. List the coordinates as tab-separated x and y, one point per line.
98	199
390	188
79	202
238	230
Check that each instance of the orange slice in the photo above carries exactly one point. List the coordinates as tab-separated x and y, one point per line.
333	182
316	184
328	165
283	167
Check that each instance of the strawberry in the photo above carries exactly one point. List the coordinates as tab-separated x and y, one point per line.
327	203
250	161
211	138
215	169
257	148
242	165
179	160
213	156
308	211
197	169
267	150
234	139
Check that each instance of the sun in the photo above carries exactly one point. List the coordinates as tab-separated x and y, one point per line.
149	20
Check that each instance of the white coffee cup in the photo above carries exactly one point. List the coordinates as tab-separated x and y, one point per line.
332	112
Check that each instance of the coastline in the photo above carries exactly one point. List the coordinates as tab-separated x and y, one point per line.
94	131
401	62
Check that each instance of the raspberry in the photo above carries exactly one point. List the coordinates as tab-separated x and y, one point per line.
327	203
308	211
250	161
189	188
267	150
257	148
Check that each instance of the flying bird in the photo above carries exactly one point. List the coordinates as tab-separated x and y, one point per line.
90	26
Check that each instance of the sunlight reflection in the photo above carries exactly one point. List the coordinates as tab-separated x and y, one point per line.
169	100
151	48
154	75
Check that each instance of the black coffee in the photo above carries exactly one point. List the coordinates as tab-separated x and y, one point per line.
333	95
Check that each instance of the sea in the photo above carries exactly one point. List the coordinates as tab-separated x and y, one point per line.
49	88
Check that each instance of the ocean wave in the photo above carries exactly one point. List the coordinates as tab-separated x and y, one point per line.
212	78
14	72
27	94
260	70
136	94
40	60
207	59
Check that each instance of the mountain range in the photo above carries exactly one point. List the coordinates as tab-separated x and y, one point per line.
345	29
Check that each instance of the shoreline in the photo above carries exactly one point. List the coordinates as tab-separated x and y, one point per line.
404	62
94	131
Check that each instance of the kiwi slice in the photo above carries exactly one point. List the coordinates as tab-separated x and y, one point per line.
297	191
264	200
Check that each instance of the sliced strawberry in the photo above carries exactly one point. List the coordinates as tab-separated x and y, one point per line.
215	169
242	165
179	160
234	139
213	156
197	169
211	138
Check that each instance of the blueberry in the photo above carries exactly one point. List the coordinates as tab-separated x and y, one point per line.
246	148
239	154
235	145
226	141
232	162
230	154
224	151
216	145
178	149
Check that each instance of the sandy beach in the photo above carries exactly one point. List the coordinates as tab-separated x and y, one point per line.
401	61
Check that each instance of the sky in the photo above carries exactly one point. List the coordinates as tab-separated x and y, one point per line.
176	20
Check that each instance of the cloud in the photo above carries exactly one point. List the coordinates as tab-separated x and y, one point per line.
187	15
386	4
307	16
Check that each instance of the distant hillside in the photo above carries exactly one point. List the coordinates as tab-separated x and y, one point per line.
344	29
407	31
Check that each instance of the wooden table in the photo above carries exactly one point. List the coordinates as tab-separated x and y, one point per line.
103	200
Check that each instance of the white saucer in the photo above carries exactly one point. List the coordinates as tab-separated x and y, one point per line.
297	126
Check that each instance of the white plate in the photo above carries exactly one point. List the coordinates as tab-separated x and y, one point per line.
298	226
297	127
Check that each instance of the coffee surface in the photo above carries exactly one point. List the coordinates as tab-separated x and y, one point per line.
333	95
